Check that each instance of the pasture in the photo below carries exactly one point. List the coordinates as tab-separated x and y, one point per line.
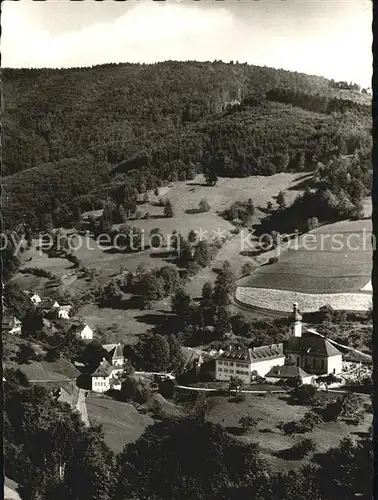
121	422
126	324
271	410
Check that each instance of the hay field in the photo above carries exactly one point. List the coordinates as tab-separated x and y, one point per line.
335	258
282	300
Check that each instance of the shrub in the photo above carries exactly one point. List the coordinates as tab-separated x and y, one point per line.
204	205
168	209
303	448
239	398
39	272
248	422
272	260
247	268
304	393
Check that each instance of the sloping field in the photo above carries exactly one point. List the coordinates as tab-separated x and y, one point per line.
282	300
271	410
122	424
335	258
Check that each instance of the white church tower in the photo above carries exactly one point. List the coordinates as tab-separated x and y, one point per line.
296	325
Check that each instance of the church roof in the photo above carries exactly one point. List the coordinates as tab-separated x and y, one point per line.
310	345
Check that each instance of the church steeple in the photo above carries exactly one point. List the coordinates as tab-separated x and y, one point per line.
296	322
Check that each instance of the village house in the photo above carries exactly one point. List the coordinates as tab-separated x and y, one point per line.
64	311
75	328
10	324
115	355
82	330
49	306
34	297
105	378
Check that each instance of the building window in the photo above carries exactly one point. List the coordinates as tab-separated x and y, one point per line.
314	363
323	364
298	361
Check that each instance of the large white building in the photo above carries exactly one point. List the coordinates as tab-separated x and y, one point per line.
312	354
244	363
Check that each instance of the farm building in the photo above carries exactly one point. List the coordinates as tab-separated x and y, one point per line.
64	311
286	373
35	298
82	330
49	307
10	324
75	328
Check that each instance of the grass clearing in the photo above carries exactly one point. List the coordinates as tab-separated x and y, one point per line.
272	410
122	325
185	196
122	424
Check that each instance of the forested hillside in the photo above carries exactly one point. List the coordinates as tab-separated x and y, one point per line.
142	124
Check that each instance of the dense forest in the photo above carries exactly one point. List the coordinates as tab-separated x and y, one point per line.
93	130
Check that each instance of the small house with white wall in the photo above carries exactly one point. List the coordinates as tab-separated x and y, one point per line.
10	324
35	298
49	306
64	311
82	330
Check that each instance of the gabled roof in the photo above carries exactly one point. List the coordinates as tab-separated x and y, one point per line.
65	307
47	303
104	369
118	353
10	321
254	355
109	347
236	355
268	352
286	371
115	350
63	396
310	345
78	326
